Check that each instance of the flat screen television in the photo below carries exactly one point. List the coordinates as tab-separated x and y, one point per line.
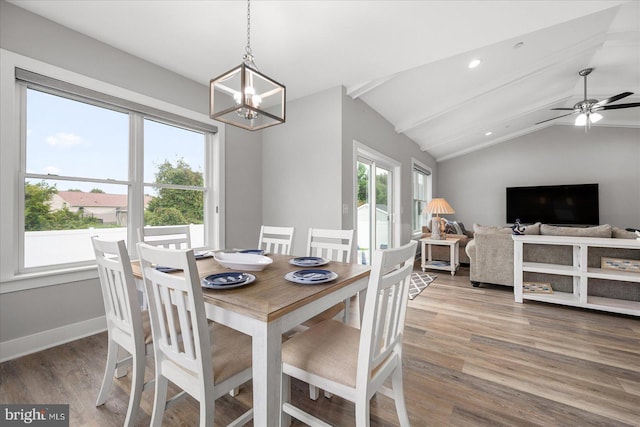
554	204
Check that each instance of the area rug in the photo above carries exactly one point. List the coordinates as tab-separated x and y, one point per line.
419	282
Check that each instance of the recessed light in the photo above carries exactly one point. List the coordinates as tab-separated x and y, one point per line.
474	63
518	45
488	133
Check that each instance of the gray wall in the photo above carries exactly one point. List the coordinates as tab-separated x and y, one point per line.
308	163
363	124
475	184
301	165
31	35
243	182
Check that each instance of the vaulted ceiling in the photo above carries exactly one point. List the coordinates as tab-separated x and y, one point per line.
406	59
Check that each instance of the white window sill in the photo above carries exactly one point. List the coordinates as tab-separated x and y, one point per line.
23	282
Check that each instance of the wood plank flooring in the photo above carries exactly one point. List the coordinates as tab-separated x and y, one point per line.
472	357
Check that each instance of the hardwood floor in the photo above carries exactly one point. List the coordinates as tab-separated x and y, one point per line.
472	357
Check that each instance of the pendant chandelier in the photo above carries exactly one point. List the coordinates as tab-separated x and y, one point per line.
244	97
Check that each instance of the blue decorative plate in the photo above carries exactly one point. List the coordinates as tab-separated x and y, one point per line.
311	277
167	269
202	255
252	251
309	261
229	280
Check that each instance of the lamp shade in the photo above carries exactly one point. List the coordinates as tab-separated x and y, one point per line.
246	98
439	206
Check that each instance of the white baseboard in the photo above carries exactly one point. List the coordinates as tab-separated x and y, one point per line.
43	340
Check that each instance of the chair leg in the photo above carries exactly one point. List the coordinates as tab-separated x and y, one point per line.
159	400
109	371
398	397
314	392
363	417
207	411
121	367
137	385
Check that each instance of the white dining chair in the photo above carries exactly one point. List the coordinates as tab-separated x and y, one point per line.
205	362
354	363
335	245
276	240
171	236
127	325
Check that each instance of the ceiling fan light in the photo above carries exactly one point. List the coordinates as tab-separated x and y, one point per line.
581	120
595	117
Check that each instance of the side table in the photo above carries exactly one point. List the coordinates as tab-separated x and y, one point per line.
428	262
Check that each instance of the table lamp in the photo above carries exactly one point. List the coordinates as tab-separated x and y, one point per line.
438	206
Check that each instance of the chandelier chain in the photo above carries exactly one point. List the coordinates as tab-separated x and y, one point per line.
248	56
248	48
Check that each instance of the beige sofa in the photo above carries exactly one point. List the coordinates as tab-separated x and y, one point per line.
491	256
441	253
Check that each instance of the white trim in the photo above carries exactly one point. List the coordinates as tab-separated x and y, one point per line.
29	344
360	149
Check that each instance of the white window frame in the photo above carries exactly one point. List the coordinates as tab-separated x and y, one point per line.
12	176
417	165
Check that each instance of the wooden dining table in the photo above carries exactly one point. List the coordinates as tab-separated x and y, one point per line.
269	307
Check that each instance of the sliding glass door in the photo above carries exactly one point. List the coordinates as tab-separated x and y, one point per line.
374	207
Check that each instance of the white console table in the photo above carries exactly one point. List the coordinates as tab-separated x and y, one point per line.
580	272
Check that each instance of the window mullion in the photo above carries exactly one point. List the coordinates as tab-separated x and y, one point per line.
136	177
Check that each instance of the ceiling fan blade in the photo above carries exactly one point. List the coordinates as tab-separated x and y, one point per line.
618	106
612	99
563	109
564	115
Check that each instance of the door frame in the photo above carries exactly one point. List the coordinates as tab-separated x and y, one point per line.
395	167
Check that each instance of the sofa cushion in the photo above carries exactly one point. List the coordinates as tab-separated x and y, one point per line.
621	233
598	231
491	229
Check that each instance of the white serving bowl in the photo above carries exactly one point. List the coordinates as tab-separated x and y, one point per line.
242	262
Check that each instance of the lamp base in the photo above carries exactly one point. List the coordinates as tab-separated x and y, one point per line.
435	229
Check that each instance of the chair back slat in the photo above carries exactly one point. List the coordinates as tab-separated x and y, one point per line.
173	236
335	245
276	240
385	308
176	309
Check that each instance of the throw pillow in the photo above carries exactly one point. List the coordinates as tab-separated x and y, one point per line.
598	231
462	229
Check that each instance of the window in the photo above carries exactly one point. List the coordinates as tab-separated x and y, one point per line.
174	178
94	164
421	196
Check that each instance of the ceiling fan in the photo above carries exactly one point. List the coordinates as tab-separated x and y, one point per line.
587	109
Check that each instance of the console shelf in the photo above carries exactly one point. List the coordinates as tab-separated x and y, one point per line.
578	270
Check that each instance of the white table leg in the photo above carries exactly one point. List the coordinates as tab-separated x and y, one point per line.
267	373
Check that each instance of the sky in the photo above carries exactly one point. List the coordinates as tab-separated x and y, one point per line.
71	138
